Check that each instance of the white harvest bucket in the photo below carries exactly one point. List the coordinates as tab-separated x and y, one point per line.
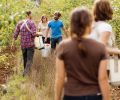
39	42
114	71
46	51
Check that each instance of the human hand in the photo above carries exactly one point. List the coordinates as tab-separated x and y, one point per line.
116	52
13	48
45	39
37	35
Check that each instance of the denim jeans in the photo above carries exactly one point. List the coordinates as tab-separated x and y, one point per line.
91	97
28	54
55	41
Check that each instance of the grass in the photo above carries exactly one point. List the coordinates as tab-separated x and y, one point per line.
38	86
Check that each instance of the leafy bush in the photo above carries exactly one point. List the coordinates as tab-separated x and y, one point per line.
13	11
116	20
10	13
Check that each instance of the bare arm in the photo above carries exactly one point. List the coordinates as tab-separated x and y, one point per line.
16	33
64	30
59	79
115	51
104	39
39	29
103	80
47	32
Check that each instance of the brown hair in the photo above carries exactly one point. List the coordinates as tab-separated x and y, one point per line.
102	10
57	13
28	13
43	16
81	18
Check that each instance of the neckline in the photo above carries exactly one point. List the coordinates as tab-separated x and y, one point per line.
80	38
56	20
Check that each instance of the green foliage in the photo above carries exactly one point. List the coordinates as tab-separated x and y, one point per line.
10	13
13	11
64	6
116	20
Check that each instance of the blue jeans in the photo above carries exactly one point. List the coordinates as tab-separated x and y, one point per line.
55	41
91	97
28	54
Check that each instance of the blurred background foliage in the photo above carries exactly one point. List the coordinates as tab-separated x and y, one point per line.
11	11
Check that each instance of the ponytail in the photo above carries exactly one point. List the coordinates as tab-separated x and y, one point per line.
81	18
82	48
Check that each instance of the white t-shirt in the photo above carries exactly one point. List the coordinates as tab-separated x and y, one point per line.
99	28
43	28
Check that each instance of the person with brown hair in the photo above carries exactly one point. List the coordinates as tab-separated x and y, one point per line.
42	27
56	26
102	30
81	62
27	30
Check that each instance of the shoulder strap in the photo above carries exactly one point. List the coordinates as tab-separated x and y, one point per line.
25	23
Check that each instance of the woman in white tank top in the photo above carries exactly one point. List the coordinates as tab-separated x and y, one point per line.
42	27
101	30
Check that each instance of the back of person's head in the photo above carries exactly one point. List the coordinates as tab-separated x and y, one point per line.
102	10
81	20
57	15
44	18
28	13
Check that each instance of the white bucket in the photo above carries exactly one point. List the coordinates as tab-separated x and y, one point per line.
115	72
46	51
39	42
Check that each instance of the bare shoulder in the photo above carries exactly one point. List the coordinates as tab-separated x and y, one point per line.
65	41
